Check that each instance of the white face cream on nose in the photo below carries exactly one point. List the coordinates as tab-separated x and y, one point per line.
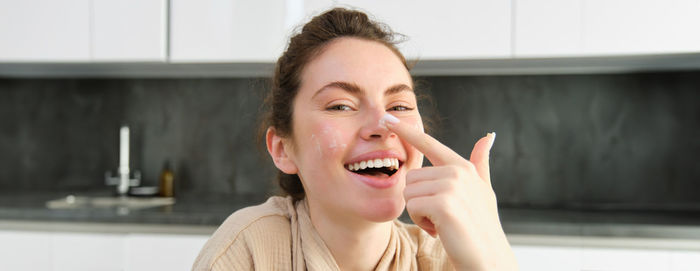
387	118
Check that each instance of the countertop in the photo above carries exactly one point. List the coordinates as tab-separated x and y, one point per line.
190	210
201	214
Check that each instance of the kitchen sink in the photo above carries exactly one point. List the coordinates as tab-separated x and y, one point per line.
87	202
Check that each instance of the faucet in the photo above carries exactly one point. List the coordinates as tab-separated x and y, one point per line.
123	180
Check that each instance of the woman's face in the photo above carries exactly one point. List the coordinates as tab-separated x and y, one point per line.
344	93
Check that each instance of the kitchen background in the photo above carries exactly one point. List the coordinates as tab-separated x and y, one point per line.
595	104
564	141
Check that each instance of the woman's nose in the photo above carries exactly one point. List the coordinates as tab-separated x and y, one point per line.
371	127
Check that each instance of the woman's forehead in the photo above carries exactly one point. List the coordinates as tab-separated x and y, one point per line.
369	65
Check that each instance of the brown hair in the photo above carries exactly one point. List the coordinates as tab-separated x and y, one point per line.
302	48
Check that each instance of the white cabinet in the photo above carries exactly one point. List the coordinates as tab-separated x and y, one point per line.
82	30
547	28
552	28
446	36
86	251
44	30
439	30
547	258
257	31
162	252
20	250
129	30
625	259
574	258
229	30
685	260
640	27
25	250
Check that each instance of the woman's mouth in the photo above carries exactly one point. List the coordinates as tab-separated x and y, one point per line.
382	168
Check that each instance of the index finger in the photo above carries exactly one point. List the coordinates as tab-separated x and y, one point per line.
436	152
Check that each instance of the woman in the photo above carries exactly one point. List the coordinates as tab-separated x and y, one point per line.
345	132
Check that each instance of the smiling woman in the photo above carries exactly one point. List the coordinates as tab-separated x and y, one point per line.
345	132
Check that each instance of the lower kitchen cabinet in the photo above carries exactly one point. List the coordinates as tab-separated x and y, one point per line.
685	260
162	252
58	251
87	251
544	258
625	259
563	258
25	250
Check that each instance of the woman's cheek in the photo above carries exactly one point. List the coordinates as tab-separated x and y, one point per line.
328	141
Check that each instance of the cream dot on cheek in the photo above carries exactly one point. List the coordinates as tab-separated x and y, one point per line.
331	140
316	144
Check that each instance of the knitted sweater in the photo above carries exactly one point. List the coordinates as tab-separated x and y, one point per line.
278	235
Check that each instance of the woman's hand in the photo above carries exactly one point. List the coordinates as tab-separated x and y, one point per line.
454	200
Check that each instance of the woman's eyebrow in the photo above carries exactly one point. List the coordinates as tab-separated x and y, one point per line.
353	88
347	86
396	89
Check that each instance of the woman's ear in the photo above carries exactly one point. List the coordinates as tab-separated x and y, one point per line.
278	152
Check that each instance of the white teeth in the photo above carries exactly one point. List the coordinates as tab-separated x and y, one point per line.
392	163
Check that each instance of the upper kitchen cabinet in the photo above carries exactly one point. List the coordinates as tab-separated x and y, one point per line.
129	30
230	30
547	27
640	27
446	30
44	31
257	31
552	28
83	31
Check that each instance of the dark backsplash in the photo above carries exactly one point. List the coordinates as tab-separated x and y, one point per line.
573	141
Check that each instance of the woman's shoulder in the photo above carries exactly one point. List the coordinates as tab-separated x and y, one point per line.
249	231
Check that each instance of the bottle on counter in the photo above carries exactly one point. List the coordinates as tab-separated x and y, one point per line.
166	181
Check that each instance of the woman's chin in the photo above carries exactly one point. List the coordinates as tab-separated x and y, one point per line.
383	210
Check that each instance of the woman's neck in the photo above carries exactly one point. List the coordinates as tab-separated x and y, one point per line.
355	245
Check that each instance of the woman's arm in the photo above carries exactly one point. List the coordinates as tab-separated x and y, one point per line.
454	200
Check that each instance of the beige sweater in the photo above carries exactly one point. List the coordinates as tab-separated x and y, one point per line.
278	235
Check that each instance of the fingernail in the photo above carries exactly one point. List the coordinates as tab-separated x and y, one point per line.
493	138
388	118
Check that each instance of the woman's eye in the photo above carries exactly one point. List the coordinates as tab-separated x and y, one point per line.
400	108
339	107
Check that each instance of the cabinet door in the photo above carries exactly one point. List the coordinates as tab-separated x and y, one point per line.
547	28
640	27
87	251
129	30
163	251
45	31
685	260
228	30
625	259
446	29
25	250
547	258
